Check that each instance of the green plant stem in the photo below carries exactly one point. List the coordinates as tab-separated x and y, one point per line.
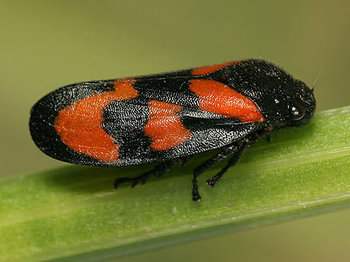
74	214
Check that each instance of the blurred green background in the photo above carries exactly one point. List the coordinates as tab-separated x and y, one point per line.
47	44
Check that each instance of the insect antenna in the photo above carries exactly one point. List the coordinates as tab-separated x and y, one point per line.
317	78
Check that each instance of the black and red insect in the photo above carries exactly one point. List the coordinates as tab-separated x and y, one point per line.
170	117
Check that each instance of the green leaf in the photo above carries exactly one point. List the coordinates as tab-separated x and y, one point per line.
74	214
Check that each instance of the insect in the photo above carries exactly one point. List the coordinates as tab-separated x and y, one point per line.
169	118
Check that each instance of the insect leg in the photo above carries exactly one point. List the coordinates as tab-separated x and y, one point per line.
236	154
200	169
158	170
234	159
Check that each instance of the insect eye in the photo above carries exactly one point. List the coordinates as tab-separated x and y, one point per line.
298	112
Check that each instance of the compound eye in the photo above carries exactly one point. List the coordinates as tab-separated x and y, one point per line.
298	111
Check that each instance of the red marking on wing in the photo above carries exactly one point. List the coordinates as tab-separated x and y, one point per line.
164	126
79	125
209	69
218	98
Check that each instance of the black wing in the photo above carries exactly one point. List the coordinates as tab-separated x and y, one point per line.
162	120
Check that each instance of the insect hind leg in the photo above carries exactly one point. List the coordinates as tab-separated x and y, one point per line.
158	170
